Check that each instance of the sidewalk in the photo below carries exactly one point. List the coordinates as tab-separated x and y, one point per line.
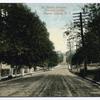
17	76
5	78
93	74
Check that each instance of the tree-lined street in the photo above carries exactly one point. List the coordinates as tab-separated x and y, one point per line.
58	82
31	57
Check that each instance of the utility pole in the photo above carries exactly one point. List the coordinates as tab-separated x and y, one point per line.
80	22
81	26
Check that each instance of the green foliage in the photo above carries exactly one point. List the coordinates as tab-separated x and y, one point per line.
91	36
53	59
60	56
24	39
78	57
69	56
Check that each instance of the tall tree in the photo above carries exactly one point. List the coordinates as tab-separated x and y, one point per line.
91	34
24	39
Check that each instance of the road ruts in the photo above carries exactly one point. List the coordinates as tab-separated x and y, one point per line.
56	83
21	87
30	87
66	86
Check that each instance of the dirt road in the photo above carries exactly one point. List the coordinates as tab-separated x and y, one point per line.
58	82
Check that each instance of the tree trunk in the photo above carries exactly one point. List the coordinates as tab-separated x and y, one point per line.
35	68
31	71
15	70
22	71
11	72
77	67
28	70
85	67
0	70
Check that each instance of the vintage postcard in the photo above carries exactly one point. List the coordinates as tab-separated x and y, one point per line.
49	49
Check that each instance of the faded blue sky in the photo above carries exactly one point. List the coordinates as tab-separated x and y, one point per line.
56	22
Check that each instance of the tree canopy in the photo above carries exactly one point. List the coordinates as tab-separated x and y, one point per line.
24	39
91	35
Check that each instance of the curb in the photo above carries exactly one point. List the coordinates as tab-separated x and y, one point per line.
87	78
98	83
18	77
8	80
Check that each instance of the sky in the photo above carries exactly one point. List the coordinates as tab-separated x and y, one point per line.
56	16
